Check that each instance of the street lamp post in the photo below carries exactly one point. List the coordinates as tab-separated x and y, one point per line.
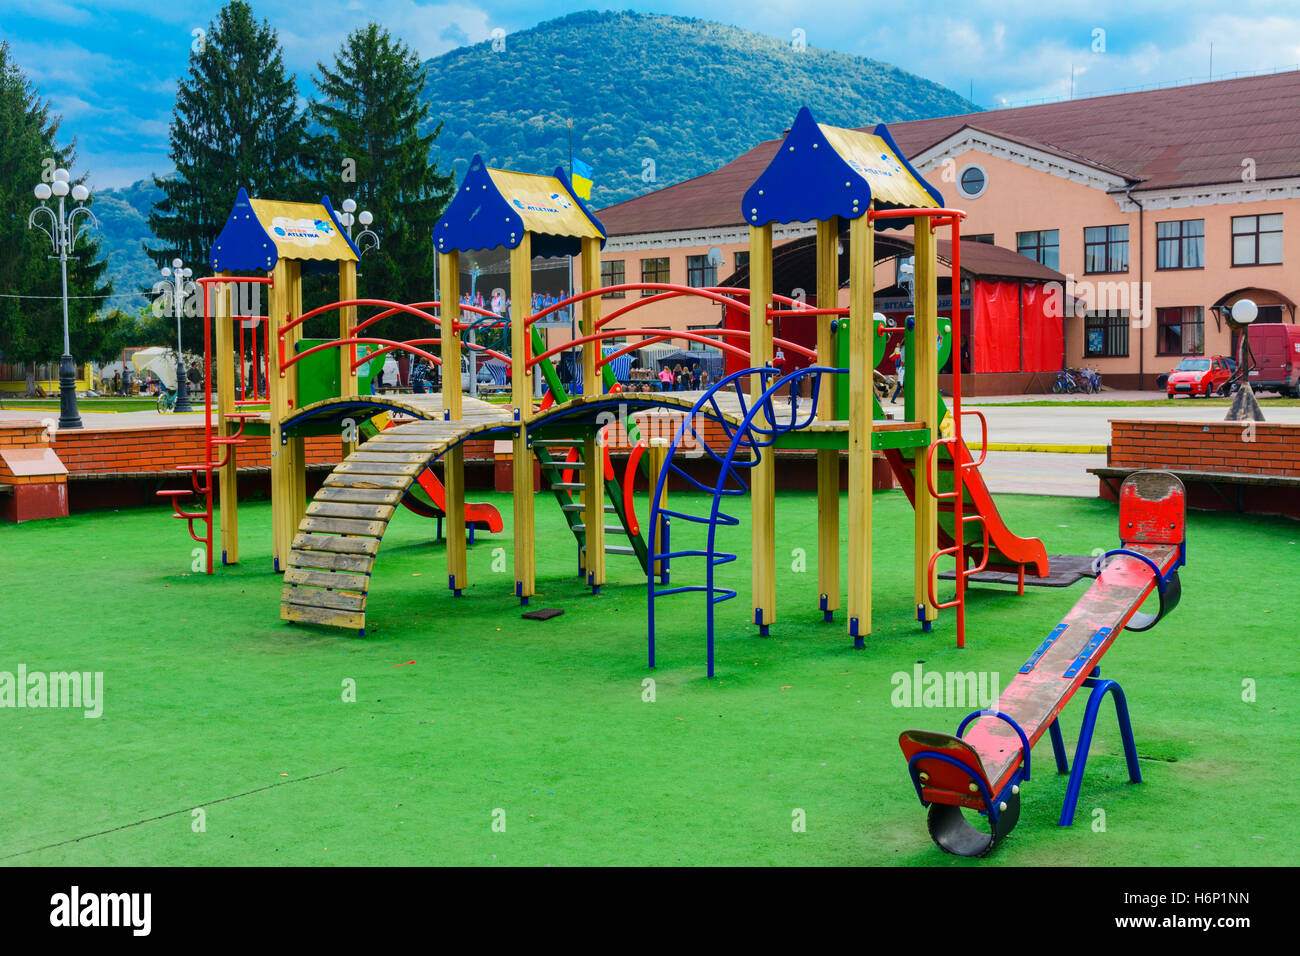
366	239
180	274
64	232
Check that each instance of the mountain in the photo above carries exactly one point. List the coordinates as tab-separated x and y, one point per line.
123	216
654	99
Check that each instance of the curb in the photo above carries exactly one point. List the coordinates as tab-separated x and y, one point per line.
1047	449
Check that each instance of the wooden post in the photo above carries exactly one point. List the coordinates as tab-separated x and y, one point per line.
227	371
593	448
449	351
453	461
347	328
279	394
656	455
861	413
297	445
763	474
521	300
828	459
923	372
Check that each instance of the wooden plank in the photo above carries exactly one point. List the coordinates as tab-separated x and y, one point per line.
393	446
327	579
350	509
344	480
331	561
374	496
304	614
377	468
334	544
372	529
391	455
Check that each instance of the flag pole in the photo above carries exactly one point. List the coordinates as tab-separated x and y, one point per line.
573	312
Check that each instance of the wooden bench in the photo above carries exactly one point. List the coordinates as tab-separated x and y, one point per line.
1236	480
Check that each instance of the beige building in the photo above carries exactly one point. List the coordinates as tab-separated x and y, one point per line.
1161	208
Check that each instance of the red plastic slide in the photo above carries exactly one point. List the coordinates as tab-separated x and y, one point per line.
1009	550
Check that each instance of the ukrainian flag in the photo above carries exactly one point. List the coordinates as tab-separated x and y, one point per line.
582	179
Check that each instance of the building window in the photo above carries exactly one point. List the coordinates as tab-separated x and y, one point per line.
1257	240
972	181
1043	246
700	272
984	237
742	260
692	345
613	272
1180	244
653	270
1180	331
1105	334
1105	249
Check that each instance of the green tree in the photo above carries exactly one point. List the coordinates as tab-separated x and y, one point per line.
236	124
370	110
31	313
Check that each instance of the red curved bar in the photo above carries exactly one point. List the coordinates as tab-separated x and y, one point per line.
360	341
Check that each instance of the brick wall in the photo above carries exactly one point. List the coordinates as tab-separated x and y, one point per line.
25	434
161	449
1262	448
35	483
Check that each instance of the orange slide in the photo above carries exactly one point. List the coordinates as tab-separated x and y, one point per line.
1008	551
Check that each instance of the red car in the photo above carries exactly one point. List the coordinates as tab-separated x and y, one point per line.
1199	376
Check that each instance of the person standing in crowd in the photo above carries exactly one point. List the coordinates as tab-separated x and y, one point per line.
898	376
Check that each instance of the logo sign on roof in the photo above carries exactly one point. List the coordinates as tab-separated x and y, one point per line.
302	232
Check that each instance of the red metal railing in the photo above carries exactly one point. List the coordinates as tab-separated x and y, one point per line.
951	218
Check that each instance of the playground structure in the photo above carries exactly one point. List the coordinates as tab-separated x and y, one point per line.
842	180
983	770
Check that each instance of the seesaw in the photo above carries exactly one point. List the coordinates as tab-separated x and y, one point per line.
983	769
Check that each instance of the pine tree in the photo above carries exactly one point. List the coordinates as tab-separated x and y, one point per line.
236	124
371	150
31	311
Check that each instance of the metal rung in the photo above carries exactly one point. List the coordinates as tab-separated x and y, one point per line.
615	528
573	507
566	442
619	549
575	485
558	465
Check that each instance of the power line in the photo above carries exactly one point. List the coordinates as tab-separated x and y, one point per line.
58	298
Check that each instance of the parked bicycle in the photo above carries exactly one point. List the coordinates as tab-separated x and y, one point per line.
166	400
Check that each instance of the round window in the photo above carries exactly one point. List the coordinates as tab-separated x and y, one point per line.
972	182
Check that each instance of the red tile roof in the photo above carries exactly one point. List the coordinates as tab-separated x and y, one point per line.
1177	137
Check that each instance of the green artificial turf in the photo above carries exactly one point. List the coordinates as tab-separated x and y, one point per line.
1129	403
463	709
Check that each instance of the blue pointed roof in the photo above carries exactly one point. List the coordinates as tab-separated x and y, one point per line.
493	208
824	171
260	232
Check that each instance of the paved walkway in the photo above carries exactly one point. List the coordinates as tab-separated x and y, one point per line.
1039	473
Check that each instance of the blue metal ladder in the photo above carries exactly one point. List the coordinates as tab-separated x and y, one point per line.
751	436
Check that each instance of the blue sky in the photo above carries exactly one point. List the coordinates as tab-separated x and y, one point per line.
110	66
